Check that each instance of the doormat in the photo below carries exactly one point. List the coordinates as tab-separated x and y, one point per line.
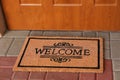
61	54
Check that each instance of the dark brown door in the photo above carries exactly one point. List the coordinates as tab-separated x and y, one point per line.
62	14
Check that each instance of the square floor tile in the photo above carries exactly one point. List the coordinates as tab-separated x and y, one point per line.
4	45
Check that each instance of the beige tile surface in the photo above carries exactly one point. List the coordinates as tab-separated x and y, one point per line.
36	33
106	44
62	33
15	47
116	65
115	49
115	43
4	45
115	53
117	75
16	34
89	34
107	54
115	35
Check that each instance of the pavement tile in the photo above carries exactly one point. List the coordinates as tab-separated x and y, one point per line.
36	33
107	54
16	34
105	35
89	34
61	76
21	76
15	47
115	54
86	76
115	36
115	47
108	73
62	33
4	45
5	73
116	65
37	76
7	61
106	44
117	75
115	43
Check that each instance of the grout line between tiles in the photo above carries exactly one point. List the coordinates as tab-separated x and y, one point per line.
28	78
109	46
81	33
110	53
6	67
95	34
95	76
42	33
115	59
109	36
78	76
29	33
12	77
9	46
46	73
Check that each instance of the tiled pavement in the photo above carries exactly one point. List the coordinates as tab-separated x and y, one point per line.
11	43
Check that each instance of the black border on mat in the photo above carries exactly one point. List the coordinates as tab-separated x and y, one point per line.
98	65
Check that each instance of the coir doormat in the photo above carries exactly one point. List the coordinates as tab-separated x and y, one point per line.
61	54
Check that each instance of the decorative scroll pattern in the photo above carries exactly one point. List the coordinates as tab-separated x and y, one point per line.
60	59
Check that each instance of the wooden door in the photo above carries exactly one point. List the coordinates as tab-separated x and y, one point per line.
62	14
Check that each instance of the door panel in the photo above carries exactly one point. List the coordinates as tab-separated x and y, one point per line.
105	1
67	1
62	14
30	1
31	11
